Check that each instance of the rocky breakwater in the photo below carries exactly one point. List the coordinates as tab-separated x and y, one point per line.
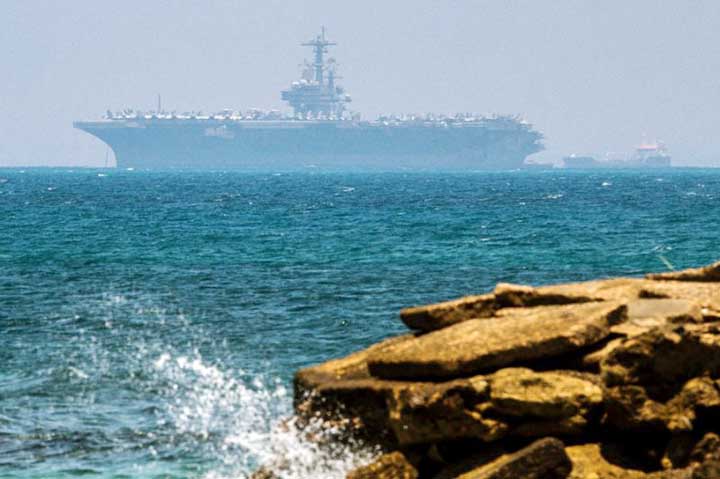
612	378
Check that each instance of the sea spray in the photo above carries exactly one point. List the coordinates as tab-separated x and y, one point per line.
249	425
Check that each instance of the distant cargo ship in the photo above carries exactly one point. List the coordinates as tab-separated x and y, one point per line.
320	132
647	155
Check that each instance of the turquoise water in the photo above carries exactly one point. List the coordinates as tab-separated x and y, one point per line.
151	321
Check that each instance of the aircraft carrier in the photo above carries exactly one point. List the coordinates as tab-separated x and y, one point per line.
320	132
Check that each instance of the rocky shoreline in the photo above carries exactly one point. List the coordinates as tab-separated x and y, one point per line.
613	378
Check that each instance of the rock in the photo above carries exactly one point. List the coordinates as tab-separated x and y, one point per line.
543	459
707	470
645	314
551	395
617	289
352	408
486	374
706	295
342	393
698	397
588	462
628	408
437	316
706	273
678	450
592	360
393	465
353	366
706	449
673	310
432	412
264	473
663	359
402	413
545	403
478	345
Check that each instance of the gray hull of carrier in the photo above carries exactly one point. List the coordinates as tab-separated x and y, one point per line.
320	132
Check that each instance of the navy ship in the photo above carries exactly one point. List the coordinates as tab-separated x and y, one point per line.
647	155
320	132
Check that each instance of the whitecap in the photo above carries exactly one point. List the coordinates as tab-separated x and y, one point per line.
78	373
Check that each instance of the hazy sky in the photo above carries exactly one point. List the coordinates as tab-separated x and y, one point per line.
593	76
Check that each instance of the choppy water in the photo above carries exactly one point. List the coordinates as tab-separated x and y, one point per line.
150	322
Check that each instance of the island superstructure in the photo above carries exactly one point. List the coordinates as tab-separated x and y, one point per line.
320	132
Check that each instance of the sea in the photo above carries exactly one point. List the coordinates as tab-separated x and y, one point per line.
151	321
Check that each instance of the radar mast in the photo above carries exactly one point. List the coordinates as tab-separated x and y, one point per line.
319	45
313	96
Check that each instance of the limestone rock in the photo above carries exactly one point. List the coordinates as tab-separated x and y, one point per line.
663	359
552	395
353	366
351	407
436	316
264	473
403	413
697	397
543	459
515	335
544	403
645	314
706	449
706	273
440	315
393	465
629	408
588	462
707	470
592	360
430	412
706	295
617	289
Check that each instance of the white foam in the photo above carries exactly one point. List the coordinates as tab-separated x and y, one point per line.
251	424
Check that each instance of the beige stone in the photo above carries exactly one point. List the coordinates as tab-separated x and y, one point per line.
393	465
663	359
706	273
353	366
628	408
543	459
592	360
706	295
588	462
551	395
441	315
516	334
645	314
432	412
698	394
